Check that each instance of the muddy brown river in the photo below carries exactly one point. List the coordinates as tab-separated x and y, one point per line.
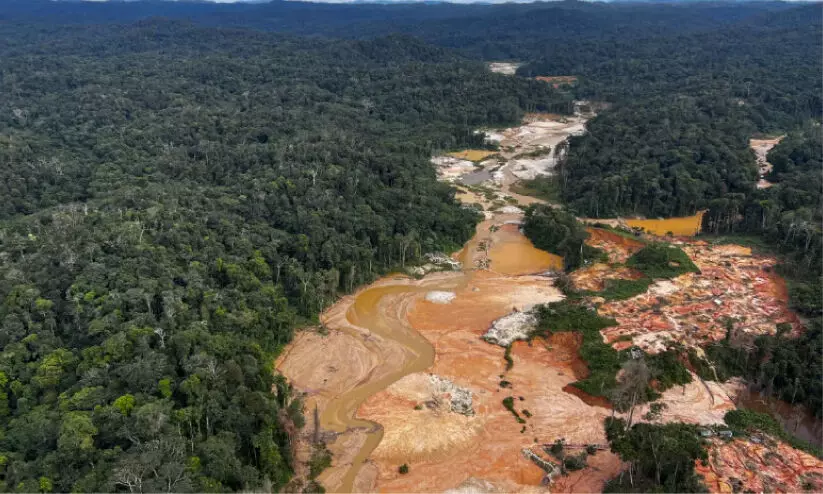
380	309
368	375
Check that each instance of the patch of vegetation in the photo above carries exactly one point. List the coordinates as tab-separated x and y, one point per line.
558	448
743	422
655	410
526	413
507	356
403	469
314	487
619	289
790	369
575	462
319	461
660	260
508	403
603	360
559	232
545	188
700	366
661	457
657	260
668	369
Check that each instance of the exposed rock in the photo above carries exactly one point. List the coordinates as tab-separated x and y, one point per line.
529	169
439	297
450	169
506	68
663	288
416	270
548	467
460	398
440	259
423	270
511	210
515	326
474	485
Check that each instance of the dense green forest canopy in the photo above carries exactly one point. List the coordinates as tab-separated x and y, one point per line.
176	200
684	109
518	31
181	192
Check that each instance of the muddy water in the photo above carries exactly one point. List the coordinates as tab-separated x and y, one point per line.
381	311
473	154
796	420
513	254
476	178
369	311
682	227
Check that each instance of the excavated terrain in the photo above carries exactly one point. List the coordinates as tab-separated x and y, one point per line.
401	373
733	287
743	465
505	68
761	148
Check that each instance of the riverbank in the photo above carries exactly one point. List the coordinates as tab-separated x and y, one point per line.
376	378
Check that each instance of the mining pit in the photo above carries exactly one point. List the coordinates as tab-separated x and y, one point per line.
761	148
401	374
505	68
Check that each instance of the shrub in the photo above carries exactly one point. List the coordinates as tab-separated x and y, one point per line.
577	462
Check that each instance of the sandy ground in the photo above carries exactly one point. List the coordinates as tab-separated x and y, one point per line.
370	375
694	403
506	68
363	347
761	148
526	151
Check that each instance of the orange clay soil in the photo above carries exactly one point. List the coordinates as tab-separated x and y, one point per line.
772	466
618	247
370	376
594	277
693	308
444	449
368	379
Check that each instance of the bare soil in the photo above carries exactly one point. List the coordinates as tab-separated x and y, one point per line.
368	375
761	148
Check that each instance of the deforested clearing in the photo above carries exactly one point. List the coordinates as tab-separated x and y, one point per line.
472	154
506	68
